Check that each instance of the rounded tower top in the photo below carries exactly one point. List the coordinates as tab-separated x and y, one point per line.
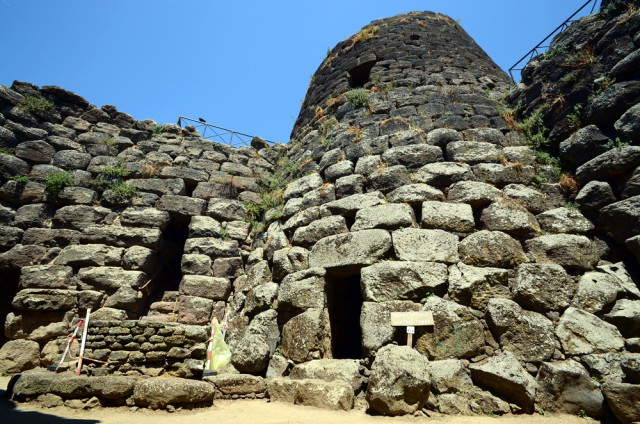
408	51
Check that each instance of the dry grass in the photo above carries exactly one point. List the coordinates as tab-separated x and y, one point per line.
357	132
319	112
569	183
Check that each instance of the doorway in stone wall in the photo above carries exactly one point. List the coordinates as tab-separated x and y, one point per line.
8	290
344	303
162	300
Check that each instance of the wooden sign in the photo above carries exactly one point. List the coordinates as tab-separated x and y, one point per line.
410	319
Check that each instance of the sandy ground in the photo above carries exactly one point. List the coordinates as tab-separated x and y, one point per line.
241	412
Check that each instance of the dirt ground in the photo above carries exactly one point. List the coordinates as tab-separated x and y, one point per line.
240	412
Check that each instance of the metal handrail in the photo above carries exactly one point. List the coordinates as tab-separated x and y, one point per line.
215	133
537	49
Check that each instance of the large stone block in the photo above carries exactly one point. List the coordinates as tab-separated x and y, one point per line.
390	216
334	395
19	355
543	287
475	286
206	287
571	251
347	370
110	278
412	244
457	217
351	251
375	323
402	280
159	392
399	382
582	333
302	290
113	235
46	277
306	336
491	248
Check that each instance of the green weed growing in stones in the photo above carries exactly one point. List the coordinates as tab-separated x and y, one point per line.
534	128
551	53
38	105
122	190
7	150
582	413
20	179
575	118
572	205
159	129
56	182
544	158
358	97
224	234
571	78
114	171
616	144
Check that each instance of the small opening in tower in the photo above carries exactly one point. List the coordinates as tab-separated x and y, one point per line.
344	302
359	75
414	37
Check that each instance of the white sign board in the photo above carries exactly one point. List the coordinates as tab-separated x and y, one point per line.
406	319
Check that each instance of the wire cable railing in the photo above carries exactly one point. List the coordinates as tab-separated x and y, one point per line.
544	44
219	134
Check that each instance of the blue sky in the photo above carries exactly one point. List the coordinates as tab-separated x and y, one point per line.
240	65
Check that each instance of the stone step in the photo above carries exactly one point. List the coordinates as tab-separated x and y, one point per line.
156	317
163	307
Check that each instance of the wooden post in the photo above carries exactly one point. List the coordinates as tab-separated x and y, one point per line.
410	332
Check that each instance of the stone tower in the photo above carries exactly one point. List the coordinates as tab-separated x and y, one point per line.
407	186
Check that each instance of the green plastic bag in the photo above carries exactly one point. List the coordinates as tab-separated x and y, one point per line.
218	353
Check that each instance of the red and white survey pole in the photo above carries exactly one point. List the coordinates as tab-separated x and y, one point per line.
84	340
73	337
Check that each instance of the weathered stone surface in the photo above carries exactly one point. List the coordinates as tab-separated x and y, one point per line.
238	384
472	152
510	218
212	247
347	370
582	333
565	386
159	392
306	217
584	145
412	155
624	400
78	217
375	322
181	207
338	170
627	126
333	395
110	278
261	298
46	277
621	220
448	376
415	194
533	200
543	287
113	235
457	217
623	278
226	209
399	382
165	186
564	220
10	166
305	336
596	291
19	355
207	287
491	248
612	102
502	175
412	244
20	256
71	159
89	255
44	300
324	227
528	335
144	217
302	290
457	334
348	206
141	259
475	286
302	185
571	251
351	250
390	280
194	310
625	315
595	195
504	375
251	354
610	164
388	216
475	193
443	173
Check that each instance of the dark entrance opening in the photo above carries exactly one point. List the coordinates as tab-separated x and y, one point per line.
359	75
8	290
167	277
344	302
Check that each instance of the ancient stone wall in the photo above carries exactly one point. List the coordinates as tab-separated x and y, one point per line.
408	185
